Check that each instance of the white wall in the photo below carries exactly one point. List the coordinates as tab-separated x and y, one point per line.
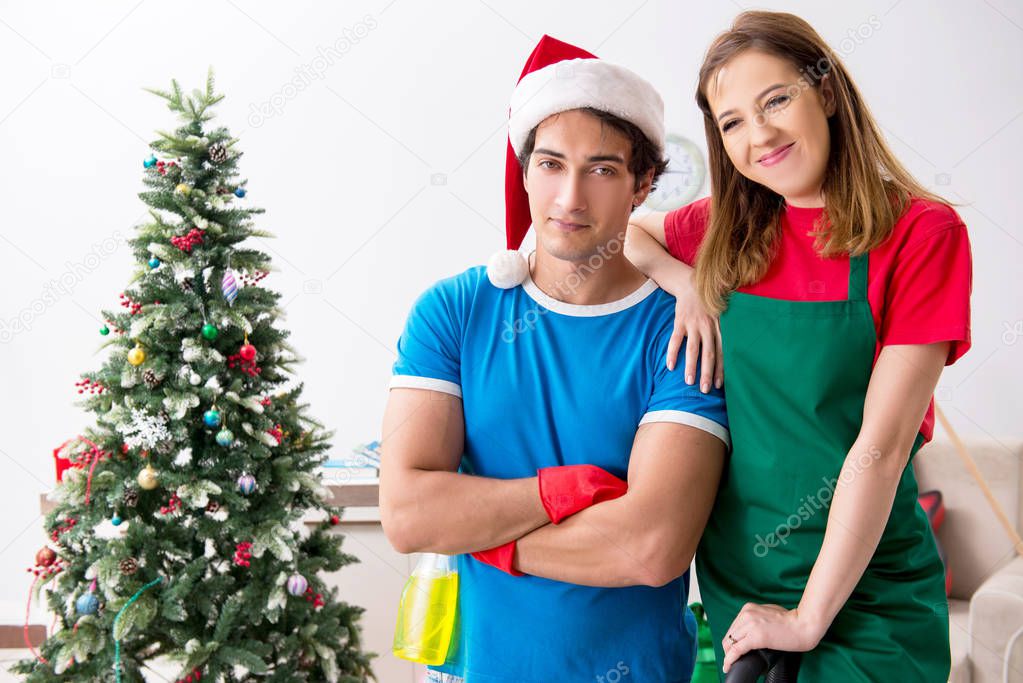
344	171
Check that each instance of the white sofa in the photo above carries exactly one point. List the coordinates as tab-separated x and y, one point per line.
986	603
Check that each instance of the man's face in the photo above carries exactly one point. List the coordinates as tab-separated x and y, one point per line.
580	189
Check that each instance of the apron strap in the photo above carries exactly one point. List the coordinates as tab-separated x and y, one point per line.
858	277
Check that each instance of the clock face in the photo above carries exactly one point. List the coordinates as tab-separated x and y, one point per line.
683	179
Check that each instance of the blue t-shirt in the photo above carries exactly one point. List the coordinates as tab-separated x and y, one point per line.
547	383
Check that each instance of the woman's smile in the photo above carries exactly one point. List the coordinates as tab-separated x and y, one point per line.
776	155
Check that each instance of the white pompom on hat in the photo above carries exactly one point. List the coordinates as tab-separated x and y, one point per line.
507	269
560	77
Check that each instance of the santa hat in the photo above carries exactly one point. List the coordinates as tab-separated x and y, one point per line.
559	77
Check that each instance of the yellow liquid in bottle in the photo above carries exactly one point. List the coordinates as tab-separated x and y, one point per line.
426	618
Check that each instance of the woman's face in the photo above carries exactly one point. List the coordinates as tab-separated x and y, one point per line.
774	125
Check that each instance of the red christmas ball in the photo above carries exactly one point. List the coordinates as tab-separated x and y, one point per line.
46	556
248	352
335	520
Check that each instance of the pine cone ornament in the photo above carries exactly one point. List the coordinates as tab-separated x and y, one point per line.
150	378
212	506
187	284
131	498
218	153
129	566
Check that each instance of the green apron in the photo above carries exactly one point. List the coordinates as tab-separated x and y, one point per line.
796	379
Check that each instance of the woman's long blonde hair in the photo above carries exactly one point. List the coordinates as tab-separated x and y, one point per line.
865	189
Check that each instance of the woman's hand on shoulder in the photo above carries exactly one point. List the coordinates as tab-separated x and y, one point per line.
693	322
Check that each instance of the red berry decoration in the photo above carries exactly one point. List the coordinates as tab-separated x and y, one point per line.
242	554
334	520
315	598
44	571
92	387
172	506
162	167
277	433
250	279
68	525
127	302
187	242
235	360
85	458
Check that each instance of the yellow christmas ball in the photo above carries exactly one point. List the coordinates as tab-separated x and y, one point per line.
148	478
182	189
136	356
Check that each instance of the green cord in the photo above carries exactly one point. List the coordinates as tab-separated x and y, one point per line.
117	643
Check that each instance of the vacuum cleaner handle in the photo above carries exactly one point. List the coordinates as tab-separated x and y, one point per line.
780	667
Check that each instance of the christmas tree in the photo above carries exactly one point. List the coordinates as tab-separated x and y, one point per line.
177	531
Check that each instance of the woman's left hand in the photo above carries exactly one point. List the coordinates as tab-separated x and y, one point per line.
769	626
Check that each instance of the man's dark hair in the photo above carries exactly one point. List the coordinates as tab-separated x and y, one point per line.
643	157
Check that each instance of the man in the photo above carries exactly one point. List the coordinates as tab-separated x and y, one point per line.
547	382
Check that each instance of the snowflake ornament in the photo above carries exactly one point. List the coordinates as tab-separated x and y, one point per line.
144	430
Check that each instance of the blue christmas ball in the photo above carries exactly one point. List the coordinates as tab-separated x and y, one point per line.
150	162
115	520
211	418
154	262
87	603
239	192
225	437
246	484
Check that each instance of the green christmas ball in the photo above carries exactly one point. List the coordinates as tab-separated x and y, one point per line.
225	437
104	330
210	331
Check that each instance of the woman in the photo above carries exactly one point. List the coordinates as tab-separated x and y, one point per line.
843	289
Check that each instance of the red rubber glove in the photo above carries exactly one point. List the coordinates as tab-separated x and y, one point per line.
567	489
500	557
564	491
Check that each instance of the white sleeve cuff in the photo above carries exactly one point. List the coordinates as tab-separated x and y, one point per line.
413	382
692	419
